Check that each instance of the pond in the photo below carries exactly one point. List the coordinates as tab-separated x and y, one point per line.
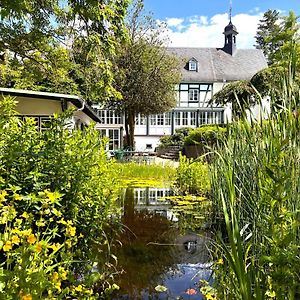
160	258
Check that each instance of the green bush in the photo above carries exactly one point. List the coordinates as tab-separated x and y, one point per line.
57	193
208	135
192	177
177	139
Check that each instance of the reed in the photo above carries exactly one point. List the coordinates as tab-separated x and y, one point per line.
255	190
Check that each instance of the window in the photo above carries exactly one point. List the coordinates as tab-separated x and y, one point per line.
211	117
192	65
42	122
177	118
193	95
167	118
185	118
160	119
193	118
109	117
114	141
140	120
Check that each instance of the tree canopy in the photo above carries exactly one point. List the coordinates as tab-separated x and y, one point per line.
58	46
146	72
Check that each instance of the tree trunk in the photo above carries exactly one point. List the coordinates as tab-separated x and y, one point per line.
129	128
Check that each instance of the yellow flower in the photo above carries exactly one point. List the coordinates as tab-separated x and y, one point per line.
31	239
26	297
7	246
79	288
25	215
62	273
38	247
54	277
15	239
55	247
220	261
71	231
210	297
3	194
17	197
56	212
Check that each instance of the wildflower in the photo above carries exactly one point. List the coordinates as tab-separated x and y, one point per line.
38	247
55	247
25	215
17	197
79	288
55	277
210	297
7	246
62	273
191	292
31	239
3	194
71	231
220	261
15	239
56	212
26	297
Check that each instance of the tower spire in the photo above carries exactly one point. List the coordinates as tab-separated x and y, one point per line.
230	10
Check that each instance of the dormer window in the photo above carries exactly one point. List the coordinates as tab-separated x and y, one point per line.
193	65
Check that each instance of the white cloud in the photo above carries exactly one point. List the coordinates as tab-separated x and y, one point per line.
201	31
175	22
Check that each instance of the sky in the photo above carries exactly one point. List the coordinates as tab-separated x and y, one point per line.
200	23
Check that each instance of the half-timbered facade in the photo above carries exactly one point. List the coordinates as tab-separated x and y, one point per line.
204	71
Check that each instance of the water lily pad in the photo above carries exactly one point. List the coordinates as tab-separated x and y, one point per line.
161	288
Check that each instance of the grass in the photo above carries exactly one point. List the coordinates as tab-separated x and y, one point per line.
255	189
135	174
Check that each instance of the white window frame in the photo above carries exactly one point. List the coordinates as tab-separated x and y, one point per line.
192	65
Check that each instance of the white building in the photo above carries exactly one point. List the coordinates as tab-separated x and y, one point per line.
205	71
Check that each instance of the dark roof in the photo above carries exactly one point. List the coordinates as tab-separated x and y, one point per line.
75	100
230	27
215	65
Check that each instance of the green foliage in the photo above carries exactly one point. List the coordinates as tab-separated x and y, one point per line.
241	94
58	189
207	136
192	177
176	139
61	46
145	175
145	72
267	28
255	183
277	35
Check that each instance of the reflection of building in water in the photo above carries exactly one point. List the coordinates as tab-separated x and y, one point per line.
152	200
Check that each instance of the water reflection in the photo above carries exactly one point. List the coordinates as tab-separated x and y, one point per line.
154	252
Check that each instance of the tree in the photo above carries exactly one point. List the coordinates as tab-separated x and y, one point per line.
42	41
276	34
146	73
240	94
267	29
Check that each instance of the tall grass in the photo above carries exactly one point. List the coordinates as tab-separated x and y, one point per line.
255	188
145	174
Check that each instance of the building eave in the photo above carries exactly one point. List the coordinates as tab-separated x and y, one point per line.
75	100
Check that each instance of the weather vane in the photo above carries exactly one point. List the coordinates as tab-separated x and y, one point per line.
230	10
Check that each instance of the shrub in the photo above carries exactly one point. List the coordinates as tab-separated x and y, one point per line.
192	177
208	135
57	194
177	139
